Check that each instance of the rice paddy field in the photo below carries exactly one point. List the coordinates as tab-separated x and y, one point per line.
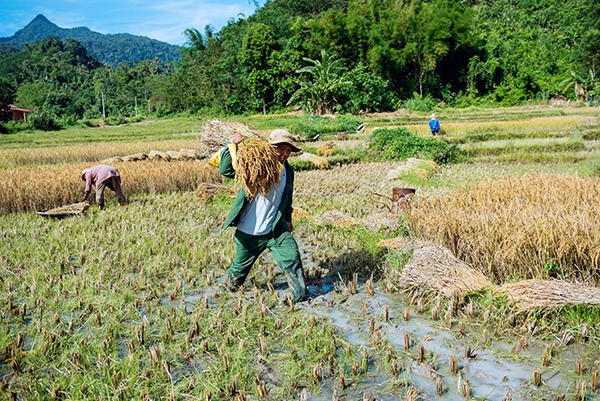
126	303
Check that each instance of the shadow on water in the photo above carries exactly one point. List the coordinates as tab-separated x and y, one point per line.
333	274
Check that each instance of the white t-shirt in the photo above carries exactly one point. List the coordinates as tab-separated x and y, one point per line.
258	215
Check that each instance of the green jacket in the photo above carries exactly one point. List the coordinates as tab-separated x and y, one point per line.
285	208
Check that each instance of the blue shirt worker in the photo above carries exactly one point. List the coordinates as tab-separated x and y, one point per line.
434	125
265	222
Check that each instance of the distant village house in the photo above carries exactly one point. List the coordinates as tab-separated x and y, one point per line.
17	113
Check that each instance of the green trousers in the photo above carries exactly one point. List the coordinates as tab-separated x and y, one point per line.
284	249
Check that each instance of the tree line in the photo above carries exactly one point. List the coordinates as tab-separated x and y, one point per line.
330	56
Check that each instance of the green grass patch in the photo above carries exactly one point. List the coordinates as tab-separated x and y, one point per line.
493	136
309	128
401	144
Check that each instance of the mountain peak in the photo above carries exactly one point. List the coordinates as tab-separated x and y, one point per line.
41	20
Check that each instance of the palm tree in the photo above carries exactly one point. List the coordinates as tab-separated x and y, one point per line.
194	41
318	94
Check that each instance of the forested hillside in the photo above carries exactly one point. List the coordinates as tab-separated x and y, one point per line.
109	49
333	56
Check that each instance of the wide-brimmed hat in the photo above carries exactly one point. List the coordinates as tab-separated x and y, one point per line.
83	174
433	115
282	136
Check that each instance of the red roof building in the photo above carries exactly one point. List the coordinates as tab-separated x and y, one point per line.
17	113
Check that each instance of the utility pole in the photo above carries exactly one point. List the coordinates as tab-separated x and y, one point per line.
135	105
147	102
103	110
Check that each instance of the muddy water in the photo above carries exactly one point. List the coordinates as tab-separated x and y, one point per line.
499	370
496	371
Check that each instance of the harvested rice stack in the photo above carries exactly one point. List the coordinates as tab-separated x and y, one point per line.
335	218
258	167
208	190
549	294
216	133
73	209
433	268
320	162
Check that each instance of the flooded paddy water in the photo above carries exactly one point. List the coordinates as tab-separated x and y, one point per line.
494	371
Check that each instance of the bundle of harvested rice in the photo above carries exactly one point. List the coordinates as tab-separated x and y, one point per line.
258	167
68	210
381	221
320	162
335	218
549	294
216	133
434	268
325	150
208	190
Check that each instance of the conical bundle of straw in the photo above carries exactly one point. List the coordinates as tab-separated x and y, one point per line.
216	133
208	190
434	268
258	167
320	163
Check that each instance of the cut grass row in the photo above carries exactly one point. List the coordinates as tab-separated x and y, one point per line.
538	145
27	156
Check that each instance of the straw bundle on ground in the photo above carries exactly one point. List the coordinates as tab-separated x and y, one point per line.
320	162
68	210
258	167
549	294
335	218
434	268
208	190
381	221
216	133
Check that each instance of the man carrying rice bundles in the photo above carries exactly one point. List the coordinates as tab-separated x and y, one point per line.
262	210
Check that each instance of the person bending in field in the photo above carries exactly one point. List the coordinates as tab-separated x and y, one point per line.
265	222
434	125
102	176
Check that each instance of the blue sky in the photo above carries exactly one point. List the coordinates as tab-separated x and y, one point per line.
158	19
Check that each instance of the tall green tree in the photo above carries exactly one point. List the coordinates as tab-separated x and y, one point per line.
258	45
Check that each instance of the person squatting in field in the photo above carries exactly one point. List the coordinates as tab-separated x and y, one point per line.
265	222
102	176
